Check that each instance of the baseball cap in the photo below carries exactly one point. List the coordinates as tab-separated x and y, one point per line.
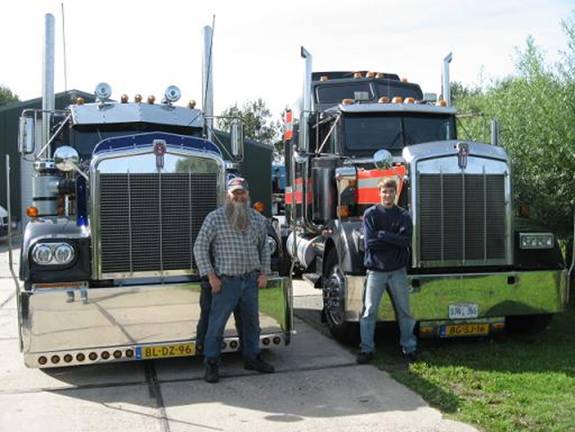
237	183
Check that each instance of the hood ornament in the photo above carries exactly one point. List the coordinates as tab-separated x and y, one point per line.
462	153
159	151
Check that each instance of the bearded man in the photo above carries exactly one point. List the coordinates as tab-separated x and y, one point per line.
236	235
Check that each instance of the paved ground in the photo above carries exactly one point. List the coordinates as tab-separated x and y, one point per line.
318	386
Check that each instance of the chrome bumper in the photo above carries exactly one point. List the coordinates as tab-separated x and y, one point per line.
114	324
496	294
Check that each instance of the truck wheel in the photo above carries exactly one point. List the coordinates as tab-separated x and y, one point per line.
528	323
334	303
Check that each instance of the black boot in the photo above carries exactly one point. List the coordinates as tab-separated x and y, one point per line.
212	374
258	364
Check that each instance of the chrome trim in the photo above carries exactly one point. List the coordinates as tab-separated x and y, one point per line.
113	156
497	294
130	222
75	319
395	108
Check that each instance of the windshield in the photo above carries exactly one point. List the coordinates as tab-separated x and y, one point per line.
371	133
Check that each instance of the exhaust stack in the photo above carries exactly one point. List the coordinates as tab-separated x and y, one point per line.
207	80
48	97
306	102
445	88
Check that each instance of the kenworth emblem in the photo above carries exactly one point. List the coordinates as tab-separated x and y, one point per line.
159	151
462	153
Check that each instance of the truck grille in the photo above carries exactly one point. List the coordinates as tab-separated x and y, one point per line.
149	222
462	218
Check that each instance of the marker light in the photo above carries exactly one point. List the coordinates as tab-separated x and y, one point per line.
347	101
357	75
138	98
323	78
172	94
259	206
404	80
370	75
103	91
192	104
409	100
379	75
32	212
124	98
383	99
80	100
441	102
151	99
397	99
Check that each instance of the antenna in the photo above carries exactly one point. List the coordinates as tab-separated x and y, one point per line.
64	43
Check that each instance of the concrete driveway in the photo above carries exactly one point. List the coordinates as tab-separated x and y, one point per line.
317	386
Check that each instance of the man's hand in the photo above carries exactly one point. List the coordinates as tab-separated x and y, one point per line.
215	283
262	281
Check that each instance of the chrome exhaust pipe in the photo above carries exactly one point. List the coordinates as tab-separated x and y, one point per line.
48	97
207	80
306	102
445	88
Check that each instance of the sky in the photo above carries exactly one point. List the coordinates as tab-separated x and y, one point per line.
144	46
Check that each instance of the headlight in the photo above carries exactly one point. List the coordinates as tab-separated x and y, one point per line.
536	240
272	244
42	254
53	253
63	254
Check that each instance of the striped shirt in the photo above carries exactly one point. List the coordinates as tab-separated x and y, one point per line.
234	252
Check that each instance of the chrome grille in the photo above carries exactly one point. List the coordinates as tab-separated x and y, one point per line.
148	222
462	218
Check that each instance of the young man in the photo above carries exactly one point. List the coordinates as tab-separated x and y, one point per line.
237	237
387	231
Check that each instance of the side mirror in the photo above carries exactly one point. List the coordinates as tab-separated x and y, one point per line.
382	159
27	135
237	139
66	158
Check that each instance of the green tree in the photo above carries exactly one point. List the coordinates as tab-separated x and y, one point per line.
6	95
258	123
536	112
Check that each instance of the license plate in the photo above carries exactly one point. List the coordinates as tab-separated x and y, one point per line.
162	351
463	310
463	330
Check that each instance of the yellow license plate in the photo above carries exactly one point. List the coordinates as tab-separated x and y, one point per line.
163	351
464	330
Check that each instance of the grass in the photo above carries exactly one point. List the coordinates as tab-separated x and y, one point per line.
508	383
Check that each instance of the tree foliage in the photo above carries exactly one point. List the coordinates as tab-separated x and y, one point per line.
258	123
6	95
536	113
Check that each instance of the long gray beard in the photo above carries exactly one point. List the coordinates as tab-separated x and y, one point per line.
237	214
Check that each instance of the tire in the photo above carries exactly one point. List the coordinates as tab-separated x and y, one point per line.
523	324
344	331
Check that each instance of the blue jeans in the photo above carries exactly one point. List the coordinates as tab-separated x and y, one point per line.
205	307
239	291
396	283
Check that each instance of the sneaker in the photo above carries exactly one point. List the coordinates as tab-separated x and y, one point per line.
212	374
412	356
258	364
364	357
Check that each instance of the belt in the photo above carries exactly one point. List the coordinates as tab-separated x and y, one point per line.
242	276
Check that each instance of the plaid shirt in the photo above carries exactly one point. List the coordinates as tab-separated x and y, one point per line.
234	252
